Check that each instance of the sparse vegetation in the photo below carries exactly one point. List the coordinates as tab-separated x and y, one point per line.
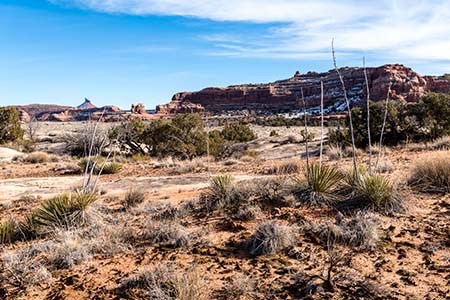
133	197
378	193
167	233
319	183
10	130
270	238
36	158
168	282
7	232
238	133
432	174
64	211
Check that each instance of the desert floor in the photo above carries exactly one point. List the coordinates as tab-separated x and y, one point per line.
411	259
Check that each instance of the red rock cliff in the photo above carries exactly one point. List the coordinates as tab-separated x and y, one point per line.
407	85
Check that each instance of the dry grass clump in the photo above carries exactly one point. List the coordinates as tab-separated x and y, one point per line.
334	152
442	143
432	174
64	211
218	194
318	187
286	167
385	166
240	287
100	166
36	158
270	238
24	268
67	250
167	233
360	231
248	213
133	197
166	282
190	166
378	193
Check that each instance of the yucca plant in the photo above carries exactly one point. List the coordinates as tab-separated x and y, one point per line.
65	210
321	181
378	193
28	228
7	232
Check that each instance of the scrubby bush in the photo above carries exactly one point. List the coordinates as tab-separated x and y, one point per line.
425	121
133	197
100	166
10	130
286	167
432	174
36	158
238	133
167	233
274	133
164	282
218	194
270	238
91	140
360	231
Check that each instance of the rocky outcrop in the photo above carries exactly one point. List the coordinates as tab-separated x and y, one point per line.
283	95
87	104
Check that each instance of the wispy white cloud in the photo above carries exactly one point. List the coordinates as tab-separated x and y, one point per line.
410	29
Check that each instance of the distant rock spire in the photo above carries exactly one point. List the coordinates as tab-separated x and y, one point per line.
87	104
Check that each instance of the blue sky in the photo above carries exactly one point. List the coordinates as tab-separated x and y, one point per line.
127	51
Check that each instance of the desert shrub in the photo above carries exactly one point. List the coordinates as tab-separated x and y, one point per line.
286	167
110	168
338	137
442	143
319	184
190	166
270	238
274	133
7	232
90	140
310	137
238	133
378	193
64	211
247	213
432	174
10	130
219	192
360	231
133	197
275	191
385	166
36	158
334	152
67	250
100	166
217	144
167	233
183	137
164	282
24	268
240	287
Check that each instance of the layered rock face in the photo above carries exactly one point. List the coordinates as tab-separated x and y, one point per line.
282	95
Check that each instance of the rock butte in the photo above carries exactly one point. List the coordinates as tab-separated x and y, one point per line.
407	85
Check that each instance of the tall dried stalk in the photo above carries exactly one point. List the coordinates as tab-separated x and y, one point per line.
321	122
207	145
384	126
306	128
368	115
355	168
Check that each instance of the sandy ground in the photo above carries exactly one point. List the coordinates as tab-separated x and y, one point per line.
413	261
